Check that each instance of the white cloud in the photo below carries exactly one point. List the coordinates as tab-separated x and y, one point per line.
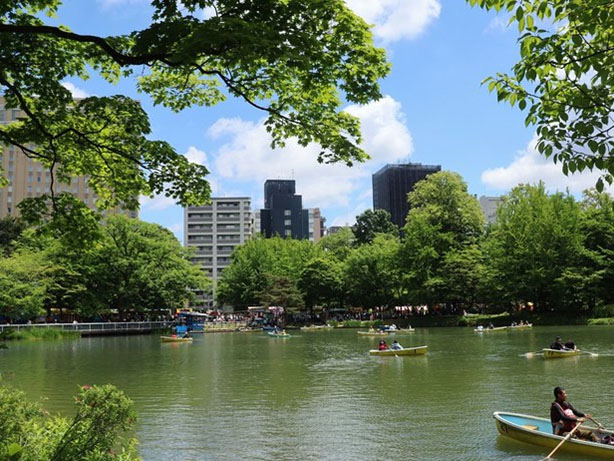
397	19
197	156
531	167
75	90
247	156
156	203
497	25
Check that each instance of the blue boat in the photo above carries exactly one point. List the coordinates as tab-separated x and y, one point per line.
538	431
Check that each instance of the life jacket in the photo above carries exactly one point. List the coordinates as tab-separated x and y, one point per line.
567	426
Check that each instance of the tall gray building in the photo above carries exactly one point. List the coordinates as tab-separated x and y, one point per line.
215	231
392	183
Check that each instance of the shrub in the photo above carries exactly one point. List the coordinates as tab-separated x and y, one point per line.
104	413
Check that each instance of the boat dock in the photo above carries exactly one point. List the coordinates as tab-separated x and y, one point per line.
97	328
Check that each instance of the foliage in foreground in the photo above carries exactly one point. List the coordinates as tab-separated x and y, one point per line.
104	414
564	79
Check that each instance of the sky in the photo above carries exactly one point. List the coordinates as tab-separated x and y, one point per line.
434	111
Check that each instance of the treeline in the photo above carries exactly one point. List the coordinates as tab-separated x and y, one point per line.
124	268
549	250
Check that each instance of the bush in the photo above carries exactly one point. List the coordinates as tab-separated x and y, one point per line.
28	433
602	321
42	334
603	311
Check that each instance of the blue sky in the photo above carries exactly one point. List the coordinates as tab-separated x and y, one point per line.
434	111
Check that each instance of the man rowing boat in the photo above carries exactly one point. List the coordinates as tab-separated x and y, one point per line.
564	417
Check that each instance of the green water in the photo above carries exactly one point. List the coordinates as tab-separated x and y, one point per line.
319	395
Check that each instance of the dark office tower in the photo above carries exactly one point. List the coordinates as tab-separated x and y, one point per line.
283	212
391	185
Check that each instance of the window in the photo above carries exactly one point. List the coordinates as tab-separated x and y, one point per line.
287	212
288	232
287	222
14	114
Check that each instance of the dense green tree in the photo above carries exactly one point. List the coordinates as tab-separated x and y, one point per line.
141	266
370	223
296	67
338	244
10	230
104	414
444	225
321	281
372	275
565	78
24	281
245	279
281	291
535	240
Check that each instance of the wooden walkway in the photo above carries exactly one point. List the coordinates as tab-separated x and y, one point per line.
98	328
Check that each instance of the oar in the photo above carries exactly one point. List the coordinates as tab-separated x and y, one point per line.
567	437
530	355
599	425
592	354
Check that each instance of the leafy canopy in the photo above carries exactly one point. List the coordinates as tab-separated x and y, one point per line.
292	59
564	79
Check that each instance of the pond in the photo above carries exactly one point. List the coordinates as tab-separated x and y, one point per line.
319	395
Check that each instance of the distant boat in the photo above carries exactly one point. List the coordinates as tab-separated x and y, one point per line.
175	339
524	326
402	331
278	335
484	330
557	354
373	333
420	350
538	431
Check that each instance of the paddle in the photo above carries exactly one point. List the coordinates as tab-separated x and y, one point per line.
567	437
592	354
530	355
599	425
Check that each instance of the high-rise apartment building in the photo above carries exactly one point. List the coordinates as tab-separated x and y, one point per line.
283	213
489	207
29	178
214	231
392	183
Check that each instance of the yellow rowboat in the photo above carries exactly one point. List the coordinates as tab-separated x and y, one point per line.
402	331
175	339
557	354
420	350
538	431
485	330
373	333
278	335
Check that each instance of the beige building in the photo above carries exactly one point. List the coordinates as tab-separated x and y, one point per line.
214	231
29	178
316	225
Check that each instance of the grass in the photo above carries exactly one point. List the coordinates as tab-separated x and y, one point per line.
36	334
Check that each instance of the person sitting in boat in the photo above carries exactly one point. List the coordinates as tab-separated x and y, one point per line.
570	345
393	327
382	346
490	326
557	345
372	330
186	334
396	346
564	417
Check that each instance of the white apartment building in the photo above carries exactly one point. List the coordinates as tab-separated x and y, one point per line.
214	231
489	207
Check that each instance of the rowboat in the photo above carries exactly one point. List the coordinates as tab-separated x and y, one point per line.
557	354
402	331
373	333
175	339
484	330
278	335
420	350
521	327
538	431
